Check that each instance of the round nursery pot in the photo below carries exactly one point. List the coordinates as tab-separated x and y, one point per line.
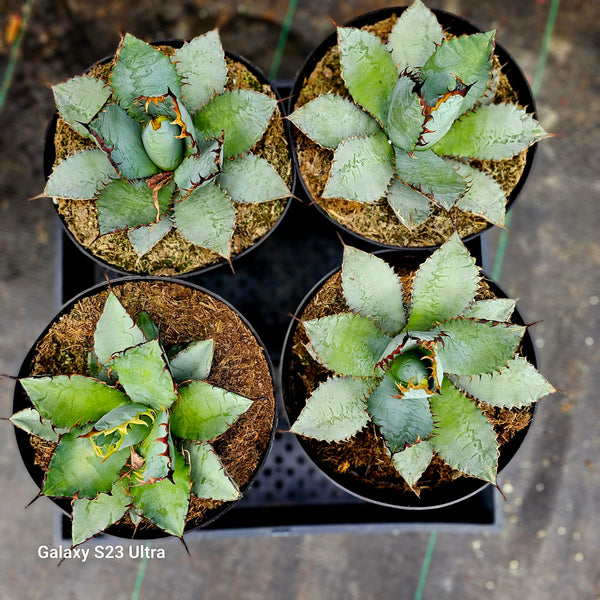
174	255
183	312
376	223
343	462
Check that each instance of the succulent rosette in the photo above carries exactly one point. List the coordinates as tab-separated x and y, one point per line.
173	146
135	437
419	369
420	109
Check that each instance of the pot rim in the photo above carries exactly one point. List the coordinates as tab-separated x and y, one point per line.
439	497
21	400
49	155
510	68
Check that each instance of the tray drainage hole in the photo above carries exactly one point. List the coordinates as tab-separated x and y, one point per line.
279	459
300	459
278	484
267	472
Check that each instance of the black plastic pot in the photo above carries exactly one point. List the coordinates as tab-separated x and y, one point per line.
22	401
49	156
455	25
294	398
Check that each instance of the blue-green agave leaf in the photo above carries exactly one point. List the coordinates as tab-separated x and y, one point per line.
30	421
336	410
368	70
410	206
405	119
495	309
157	450
372	289
165	503
126	204
206	218
409	340
414	37
517	384
361	170
141	71
147	325
463	437
144	238
412	461
209	476
201	65
328	119
193	362
204	412
68	400
431	175
444	286
474	347
251	179
441	115
115	330
79	99
484	196
122	427
144	375
94	516
491	132
241	115
347	343
490	93
162	141
120	416
402	417
75	467
200	167
464	60
120	137
80	176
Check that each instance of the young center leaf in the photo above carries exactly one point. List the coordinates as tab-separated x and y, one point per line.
403	418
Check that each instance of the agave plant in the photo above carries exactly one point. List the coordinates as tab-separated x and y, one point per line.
420	107
173	147
136	436
419	370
